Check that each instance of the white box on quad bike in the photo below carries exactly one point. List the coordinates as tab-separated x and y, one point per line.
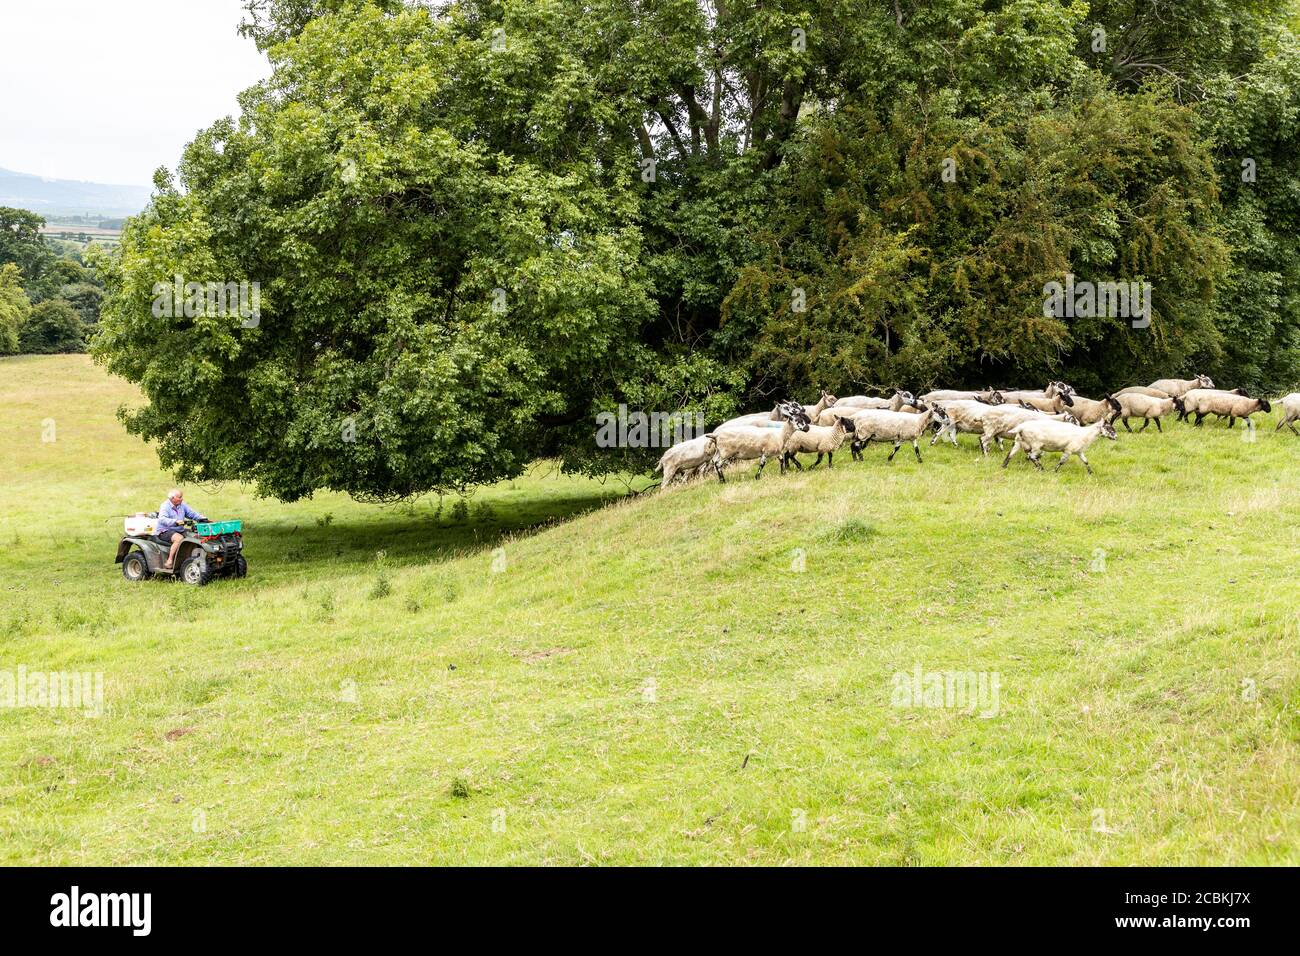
140	524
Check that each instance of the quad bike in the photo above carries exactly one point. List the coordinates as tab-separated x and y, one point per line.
209	549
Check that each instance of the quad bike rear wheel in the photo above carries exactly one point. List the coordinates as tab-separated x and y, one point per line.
194	570
134	566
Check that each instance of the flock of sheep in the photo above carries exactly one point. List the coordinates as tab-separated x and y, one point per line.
1051	419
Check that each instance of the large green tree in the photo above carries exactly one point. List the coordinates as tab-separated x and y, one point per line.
476	226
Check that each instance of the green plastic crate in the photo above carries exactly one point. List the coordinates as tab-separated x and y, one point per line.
218	527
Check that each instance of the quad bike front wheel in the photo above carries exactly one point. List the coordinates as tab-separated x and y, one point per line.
241	567
194	571
134	566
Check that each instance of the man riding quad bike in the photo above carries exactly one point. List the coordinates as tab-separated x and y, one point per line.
176	540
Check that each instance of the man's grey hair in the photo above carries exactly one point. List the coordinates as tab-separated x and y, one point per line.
173	493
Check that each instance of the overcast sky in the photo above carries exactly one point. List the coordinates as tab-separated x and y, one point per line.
109	90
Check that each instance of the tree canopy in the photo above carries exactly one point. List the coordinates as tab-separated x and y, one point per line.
53	326
476	226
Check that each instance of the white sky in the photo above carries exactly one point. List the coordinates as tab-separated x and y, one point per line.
109	90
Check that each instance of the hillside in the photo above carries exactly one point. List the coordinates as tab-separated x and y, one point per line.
701	676
53	197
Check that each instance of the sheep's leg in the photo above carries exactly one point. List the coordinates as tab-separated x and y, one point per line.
1291	426
1036	459
762	463
830	459
792	459
1158	428
1232	420
816	463
1126	428
1200	417
897	445
1145	423
1084	458
916	448
1064	458
1015	447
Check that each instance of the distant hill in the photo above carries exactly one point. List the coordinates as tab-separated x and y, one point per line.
54	197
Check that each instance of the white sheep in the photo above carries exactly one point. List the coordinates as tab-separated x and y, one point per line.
1178	387
1043	434
1088	410
755	418
1053	399
1230	405
1143	390
822	439
750	442
1290	412
686	458
875	424
900	402
989	396
895	402
823	403
1145	407
965	416
999	422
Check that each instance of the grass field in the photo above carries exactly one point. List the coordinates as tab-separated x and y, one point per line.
703	676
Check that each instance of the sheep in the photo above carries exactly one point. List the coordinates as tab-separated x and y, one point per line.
1290	412
755	418
822	439
881	425
1143	390
1178	387
901	401
964	415
989	396
1206	401
1138	405
1088	410
686	458
999	422
1053	399
1182	411
823	403
761	442
894	403
775	415
1041	434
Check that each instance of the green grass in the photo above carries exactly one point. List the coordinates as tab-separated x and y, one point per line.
650	679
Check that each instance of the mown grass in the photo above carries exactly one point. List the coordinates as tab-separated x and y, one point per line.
653	679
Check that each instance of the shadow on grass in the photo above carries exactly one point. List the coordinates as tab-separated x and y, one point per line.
409	536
